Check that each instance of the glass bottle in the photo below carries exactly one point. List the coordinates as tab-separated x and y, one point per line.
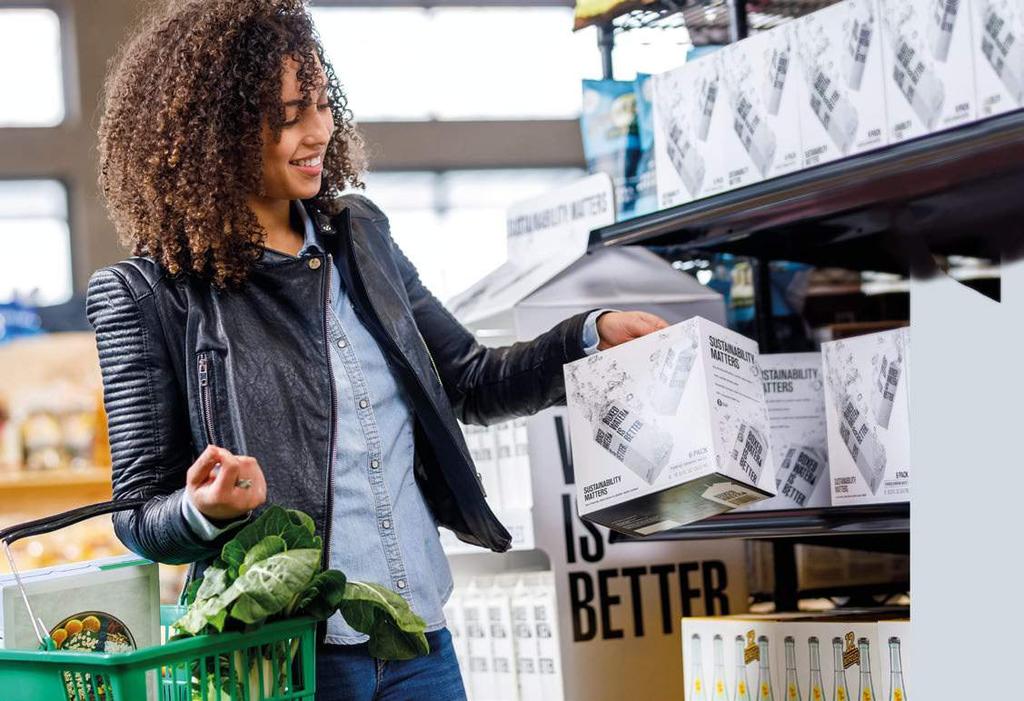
897	691
816	689
696	671
764	674
719	693
792	683
840	691
867	688
742	692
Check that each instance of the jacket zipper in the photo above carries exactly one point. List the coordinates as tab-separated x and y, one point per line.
430	355
391	342
205	402
329	496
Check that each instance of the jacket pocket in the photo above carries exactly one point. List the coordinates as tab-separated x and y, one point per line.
206	375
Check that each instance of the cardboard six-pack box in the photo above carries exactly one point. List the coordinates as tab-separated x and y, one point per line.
762	98
691	124
929	66
868	413
669	429
842	101
795	397
998	46
832	655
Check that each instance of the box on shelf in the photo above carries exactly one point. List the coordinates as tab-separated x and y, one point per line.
868	413
929	71
831	655
111	604
669	429
842	91
691	130
998	46
762	99
795	396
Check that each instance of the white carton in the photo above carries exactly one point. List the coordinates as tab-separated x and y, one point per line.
894	641
795	396
695	146
499	621
483	448
842	100
514	465
669	428
998	45
454	619
524	630
545	616
763	100
478	643
121	595
929	71
867	408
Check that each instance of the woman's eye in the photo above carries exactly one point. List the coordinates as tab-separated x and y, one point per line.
323	106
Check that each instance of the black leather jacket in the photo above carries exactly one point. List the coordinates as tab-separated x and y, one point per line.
185	365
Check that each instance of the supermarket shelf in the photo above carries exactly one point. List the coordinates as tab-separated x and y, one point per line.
843	523
50	479
951	193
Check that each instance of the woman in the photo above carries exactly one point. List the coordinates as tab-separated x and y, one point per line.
269	342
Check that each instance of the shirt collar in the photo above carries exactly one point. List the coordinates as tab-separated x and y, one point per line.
310	244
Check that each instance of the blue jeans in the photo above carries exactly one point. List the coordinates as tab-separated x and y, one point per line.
348	673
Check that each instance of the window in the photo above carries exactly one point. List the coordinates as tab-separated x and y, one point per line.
35	249
414	63
31	80
452	224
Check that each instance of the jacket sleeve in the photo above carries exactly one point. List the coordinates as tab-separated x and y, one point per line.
488	385
150	440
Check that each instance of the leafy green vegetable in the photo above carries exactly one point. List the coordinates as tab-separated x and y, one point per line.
323	596
396	633
271	569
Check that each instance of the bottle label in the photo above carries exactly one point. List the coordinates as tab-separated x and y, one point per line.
816	694
751	653
792	694
897	694
697	685
851	655
841	694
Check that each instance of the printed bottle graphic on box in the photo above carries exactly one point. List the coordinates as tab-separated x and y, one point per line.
815	685
867	410
893	640
765	686
929	66
742	686
840	689
669	428
998	28
698	691
843	94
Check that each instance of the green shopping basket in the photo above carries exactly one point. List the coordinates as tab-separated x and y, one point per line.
275	662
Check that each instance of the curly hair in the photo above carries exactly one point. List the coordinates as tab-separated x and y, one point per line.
180	136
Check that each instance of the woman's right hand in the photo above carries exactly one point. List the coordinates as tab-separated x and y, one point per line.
224	486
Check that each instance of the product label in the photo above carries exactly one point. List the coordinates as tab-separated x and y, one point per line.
752	652
731	494
851	655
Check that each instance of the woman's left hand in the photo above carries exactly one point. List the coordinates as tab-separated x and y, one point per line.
614	328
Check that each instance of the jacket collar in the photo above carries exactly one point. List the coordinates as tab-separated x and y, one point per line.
320	233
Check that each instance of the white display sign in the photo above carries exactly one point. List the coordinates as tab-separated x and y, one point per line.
929	66
545	236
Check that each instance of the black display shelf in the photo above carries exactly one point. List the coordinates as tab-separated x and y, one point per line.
866	527
954	192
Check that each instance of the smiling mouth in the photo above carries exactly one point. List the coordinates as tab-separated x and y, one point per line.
308	162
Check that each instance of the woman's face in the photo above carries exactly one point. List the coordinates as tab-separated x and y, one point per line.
292	166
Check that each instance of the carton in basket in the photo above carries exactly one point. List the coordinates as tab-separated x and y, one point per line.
669	429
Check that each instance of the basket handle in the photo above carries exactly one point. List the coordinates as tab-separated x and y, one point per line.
68	518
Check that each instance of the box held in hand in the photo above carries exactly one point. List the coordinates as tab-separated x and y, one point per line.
669	429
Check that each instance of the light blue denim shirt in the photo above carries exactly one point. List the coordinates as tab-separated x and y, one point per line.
382	530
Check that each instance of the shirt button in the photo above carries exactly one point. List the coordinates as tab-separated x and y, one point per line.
400	584
363	404
314	263
385	523
375	464
342	343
